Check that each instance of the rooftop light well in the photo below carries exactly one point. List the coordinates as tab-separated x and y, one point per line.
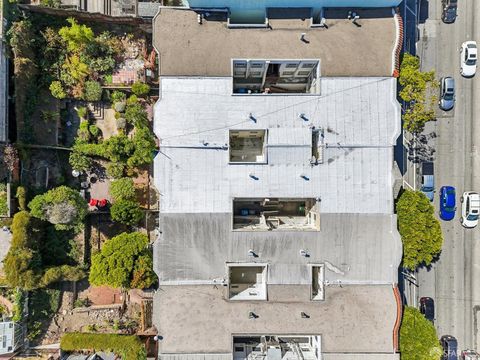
268	214
275	76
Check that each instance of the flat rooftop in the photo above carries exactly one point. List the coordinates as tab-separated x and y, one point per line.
360	118
357	249
187	48
197	319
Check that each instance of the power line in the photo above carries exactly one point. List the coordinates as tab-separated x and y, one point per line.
316	98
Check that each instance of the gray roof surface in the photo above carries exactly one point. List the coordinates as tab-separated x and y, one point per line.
147	9
198	319
361	118
193	248
189	49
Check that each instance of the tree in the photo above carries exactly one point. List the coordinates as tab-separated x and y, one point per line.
135	114
76	36
145	146
140	89
418	338
118	261
143	276
118	96
22	264
122	189
419	92
127	212
421	233
93	91
62	206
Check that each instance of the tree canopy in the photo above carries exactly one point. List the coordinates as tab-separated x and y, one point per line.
420	230
62	206
127	212
124	261
37	256
419	92
418	338
122	189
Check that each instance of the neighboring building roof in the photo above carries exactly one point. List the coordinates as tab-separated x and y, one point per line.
198	319
187	48
252	5
360	116
359	249
148	9
11	335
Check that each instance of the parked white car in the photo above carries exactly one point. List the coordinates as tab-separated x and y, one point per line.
468	58
470	209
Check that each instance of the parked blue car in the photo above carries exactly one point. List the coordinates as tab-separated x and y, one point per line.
447	203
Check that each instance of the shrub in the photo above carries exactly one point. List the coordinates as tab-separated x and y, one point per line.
3	204
136	115
82	112
126	212
121	123
132	100
62	273
61	206
93	91
57	90
128	347
140	89
79	162
115	170
94	130
21	196
124	261
119	106
145	147
420	230
81	303
122	189
118	96
83	133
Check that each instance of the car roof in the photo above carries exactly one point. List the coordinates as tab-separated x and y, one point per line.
449	81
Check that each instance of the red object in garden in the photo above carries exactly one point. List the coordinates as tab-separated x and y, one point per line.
102	203
93	202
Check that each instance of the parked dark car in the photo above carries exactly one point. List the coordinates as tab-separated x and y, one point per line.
427	308
449	346
447	203
449	13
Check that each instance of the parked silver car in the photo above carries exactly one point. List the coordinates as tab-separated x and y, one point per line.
447	93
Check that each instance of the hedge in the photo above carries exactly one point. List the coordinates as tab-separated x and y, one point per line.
129	347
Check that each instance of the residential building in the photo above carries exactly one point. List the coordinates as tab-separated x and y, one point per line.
277	233
255	11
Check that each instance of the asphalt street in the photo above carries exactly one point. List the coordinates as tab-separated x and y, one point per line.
454	280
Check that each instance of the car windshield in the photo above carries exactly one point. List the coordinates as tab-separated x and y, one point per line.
472	217
471	61
448	96
427	189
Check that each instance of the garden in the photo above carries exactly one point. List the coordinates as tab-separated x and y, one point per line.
85	148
